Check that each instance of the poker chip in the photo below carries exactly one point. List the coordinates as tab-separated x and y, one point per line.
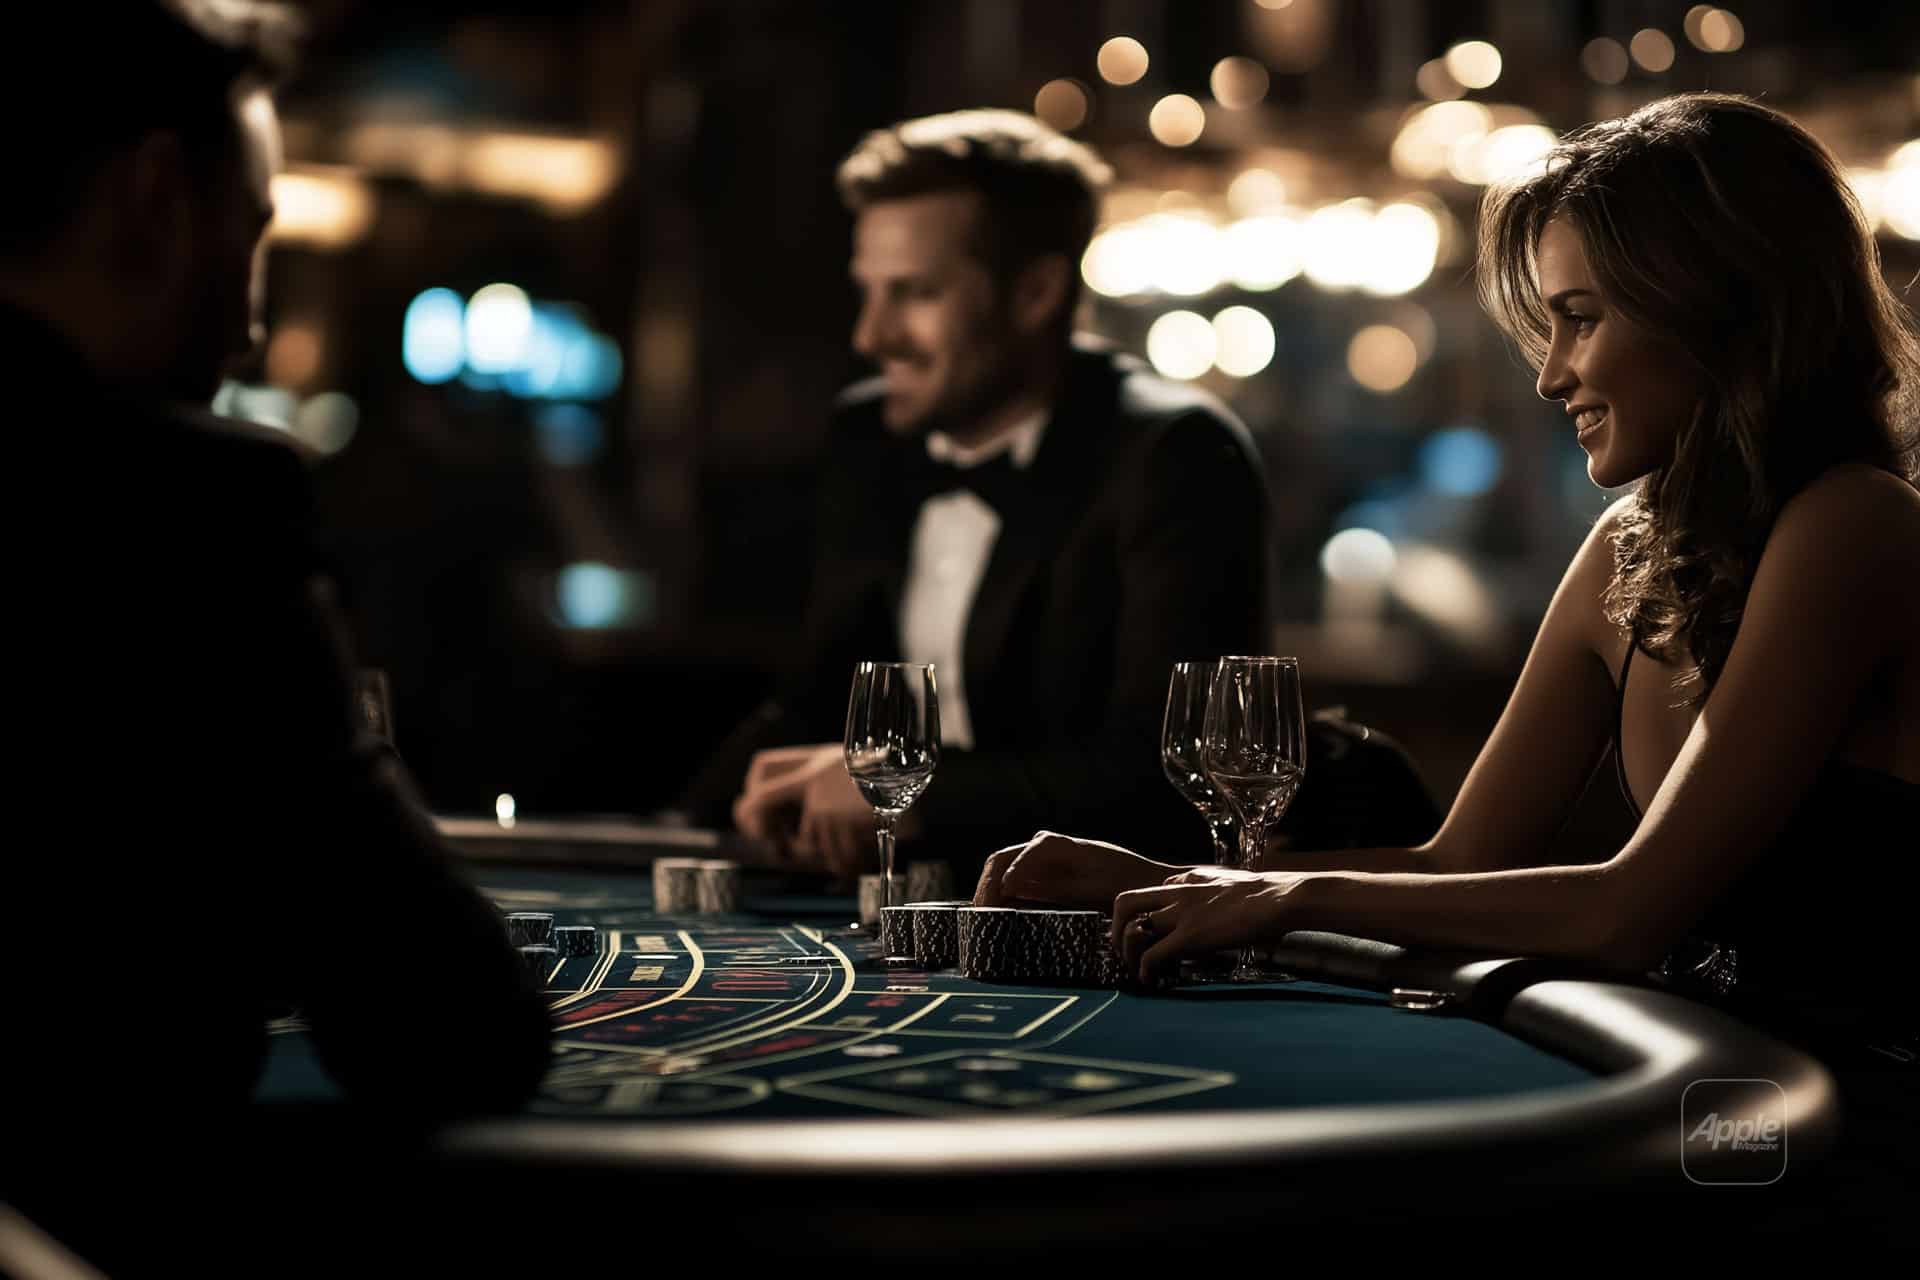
1071	944
870	898
539	961
929	882
896	931
576	940
936	933
1414	998
719	887
676	885
530	928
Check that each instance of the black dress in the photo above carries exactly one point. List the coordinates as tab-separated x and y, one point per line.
1800	952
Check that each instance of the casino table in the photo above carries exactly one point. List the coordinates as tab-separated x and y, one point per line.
760	1068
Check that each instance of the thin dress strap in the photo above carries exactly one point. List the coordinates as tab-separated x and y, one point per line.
1619	741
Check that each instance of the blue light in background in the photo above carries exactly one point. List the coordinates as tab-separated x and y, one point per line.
555	330
592	368
1461	462
432	337
568	434
592	596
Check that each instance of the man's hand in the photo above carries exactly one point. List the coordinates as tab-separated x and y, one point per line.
801	800
1067	871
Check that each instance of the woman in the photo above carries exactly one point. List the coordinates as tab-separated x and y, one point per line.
1699	289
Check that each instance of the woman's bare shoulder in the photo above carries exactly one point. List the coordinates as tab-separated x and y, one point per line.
1854	508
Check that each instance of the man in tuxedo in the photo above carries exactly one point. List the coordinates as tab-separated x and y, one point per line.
1046	520
221	839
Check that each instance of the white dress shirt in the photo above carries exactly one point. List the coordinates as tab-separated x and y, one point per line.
952	541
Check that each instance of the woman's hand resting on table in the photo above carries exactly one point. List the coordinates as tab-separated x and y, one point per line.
1067	871
1200	911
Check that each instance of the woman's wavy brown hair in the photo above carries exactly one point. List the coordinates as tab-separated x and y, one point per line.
1724	228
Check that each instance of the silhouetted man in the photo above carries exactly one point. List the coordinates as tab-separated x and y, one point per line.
216	837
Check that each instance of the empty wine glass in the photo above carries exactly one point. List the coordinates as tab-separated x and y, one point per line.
892	745
1182	732
1255	751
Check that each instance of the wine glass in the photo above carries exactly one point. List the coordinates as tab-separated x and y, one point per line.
1181	734
893	743
1254	747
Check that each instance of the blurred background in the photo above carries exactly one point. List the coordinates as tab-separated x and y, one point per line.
559	290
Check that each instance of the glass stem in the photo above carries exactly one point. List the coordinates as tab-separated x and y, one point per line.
883	830
1221	825
1253	844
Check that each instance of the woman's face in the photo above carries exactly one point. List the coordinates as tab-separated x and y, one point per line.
1629	393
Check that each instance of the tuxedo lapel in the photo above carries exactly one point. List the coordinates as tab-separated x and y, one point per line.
1059	488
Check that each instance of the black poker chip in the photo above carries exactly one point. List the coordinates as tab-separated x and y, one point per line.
576	940
936	933
530	928
540	962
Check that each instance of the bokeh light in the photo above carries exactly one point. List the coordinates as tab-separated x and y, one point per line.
433	344
1118	263
1063	104
1182	345
1430	135
1723	31
1474	63
1244	340
1404	243
499	327
1186	255
594	596
327	422
295	353
1263	253
1335	244
320	207
1357	555
1514	151
1238	82
1605	61
1256	191
1461	462
1122	60
1652	48
1436	82
1177	120
1382	358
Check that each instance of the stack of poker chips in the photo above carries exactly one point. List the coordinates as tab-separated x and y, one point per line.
719	887
576	940
1067	948
896	931
696	886
531	933
936	933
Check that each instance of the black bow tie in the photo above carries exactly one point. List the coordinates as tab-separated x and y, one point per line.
995	482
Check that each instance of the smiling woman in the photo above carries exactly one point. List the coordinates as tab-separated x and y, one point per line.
1698	287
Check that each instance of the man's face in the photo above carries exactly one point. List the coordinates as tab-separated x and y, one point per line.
223	290
931	316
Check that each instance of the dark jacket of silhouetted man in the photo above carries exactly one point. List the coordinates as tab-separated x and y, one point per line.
215	839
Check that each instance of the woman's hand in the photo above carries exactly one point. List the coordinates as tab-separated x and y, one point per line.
1067	871
1196	912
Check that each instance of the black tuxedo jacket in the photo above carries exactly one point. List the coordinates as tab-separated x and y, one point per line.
1138	537
217	841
